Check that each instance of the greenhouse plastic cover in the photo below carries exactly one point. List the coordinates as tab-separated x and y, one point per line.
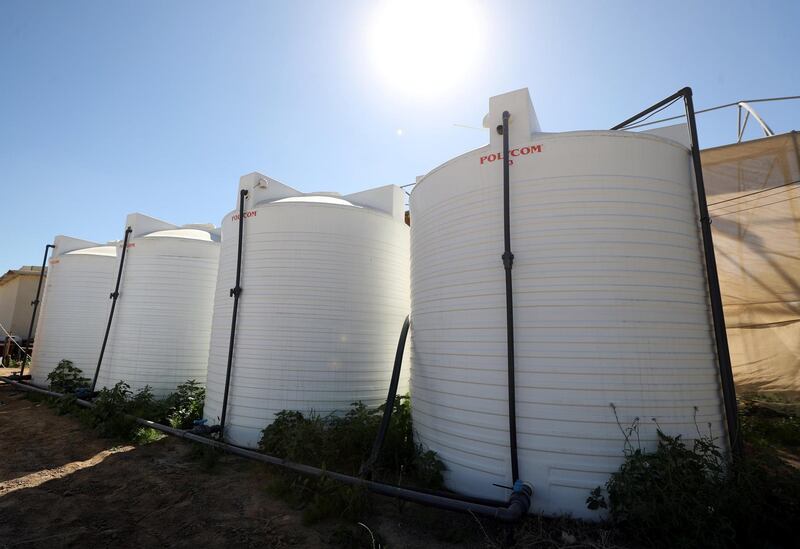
754	204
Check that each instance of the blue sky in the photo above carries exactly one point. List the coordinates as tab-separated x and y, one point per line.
110	107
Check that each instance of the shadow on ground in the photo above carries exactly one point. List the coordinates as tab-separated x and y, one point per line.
62	486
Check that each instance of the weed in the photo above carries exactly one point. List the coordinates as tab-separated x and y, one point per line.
296	438
766	424
670	495
66	378
329	498
689	495
145	405
113	405
65	404
113	408
342	444
185	405
107	416
146	435
18	364
561	531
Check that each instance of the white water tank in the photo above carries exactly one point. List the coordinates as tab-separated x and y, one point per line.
74	307
325	290
160	331
611	306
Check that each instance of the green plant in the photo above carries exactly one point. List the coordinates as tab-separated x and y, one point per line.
66	378
766	424
690	495
146	435
65	404
143	404
108	414
18	364
296	437
670	496
342	444
328	498
114	408
185	405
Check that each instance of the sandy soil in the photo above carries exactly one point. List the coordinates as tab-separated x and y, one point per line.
62	486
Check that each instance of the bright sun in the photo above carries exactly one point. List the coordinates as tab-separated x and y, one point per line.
425	47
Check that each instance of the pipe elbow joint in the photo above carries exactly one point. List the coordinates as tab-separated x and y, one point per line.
521	498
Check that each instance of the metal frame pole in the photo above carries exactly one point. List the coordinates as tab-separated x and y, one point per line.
712	276
35	304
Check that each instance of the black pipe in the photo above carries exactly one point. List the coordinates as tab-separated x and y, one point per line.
377	445
508	263
715	296
380	438
35	304
512	511
236	291
114	296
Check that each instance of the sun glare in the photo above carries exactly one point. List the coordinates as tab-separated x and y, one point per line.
425	48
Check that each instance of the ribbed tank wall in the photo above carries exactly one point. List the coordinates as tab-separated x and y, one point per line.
161	328
610	308
73	312
325	293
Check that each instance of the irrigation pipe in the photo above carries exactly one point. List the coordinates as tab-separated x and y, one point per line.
516	508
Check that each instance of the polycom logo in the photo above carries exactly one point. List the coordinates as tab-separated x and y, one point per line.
251	213
522	151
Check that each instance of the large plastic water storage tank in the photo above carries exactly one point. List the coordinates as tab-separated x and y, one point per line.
74	307
325	291
610	306
161	327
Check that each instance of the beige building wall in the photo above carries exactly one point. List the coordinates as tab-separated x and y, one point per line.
17	290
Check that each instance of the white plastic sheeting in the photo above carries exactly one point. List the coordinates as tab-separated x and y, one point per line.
610	307
74	308
325	290
161	328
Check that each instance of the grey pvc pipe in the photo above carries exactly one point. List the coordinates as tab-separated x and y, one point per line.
516	508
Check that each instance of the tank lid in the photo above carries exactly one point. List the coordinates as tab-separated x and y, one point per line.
262	189
318	199
676	132
145	226
109	251
522	122
67	244
192	234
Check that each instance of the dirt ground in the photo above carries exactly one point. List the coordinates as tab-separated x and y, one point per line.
62	486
